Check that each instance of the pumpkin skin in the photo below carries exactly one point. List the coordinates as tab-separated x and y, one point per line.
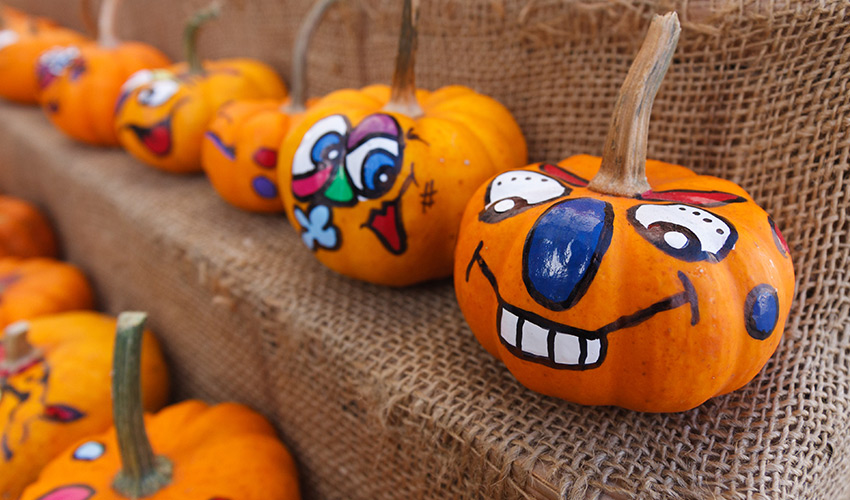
382	200
81	84
19	53
224	451
658	302
24	231
30	288
68	393
162	115
239	153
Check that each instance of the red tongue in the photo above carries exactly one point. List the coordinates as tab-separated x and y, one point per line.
158	140
386	226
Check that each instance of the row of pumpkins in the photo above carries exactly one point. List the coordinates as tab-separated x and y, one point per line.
58	363
612	280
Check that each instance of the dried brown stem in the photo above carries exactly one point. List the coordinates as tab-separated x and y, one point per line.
403	94
623	170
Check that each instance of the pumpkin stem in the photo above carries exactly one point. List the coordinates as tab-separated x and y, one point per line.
298	97
17	349
106	24
623	170
142	473
190	35
403	93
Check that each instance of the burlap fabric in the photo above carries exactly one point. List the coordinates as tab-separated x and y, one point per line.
385	394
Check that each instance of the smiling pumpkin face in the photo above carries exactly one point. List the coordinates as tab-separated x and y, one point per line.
377	195
655	302
162	115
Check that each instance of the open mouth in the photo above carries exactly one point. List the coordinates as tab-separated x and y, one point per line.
157	138
531	337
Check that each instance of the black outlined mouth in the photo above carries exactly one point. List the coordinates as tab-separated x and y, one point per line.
531	337
158	138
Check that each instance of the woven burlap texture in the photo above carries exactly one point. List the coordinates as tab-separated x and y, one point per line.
385	394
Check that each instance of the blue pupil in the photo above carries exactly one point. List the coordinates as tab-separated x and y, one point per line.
326	141
378	162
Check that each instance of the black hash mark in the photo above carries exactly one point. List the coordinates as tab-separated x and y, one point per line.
428	196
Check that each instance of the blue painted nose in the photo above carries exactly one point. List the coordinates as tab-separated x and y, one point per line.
564	249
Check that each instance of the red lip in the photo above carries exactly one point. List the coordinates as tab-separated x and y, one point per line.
71	492
157	138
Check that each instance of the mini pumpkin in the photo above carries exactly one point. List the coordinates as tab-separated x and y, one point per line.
162	115
648	287
24	231
376	180
189	450
35	287
240	148
80	84
55	389
19	52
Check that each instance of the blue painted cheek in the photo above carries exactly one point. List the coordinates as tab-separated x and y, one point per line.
264	187
761	311
564	249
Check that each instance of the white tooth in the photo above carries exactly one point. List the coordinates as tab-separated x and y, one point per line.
535	339
567	349
507	328
593	349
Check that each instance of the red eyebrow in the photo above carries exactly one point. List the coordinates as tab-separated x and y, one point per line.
692	197
560	173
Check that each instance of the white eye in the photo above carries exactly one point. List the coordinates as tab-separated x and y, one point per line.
532	187
88	451
157	92
324	140
373	166
136	80
58	58
683	231
8	37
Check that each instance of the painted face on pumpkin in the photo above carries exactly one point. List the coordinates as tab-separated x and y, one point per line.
53	62
23	401
570	236
337	167
153	89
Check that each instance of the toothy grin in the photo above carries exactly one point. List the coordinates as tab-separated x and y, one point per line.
529	336
534	338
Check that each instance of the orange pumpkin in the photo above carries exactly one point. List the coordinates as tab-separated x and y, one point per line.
56	390
24	231
240	148
30	288
189	450
651	296
80	84
19	52
162	115
376	180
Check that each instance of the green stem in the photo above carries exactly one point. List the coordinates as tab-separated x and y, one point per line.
403	93
106	24
142	473
298	97
623	169
190	35
17	349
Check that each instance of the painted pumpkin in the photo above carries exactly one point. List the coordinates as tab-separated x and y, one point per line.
80	84
240	148
653	297
376	180
30	288
189	450
56	390
162	115
24	231
19	53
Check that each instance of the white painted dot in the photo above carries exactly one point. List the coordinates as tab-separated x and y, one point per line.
8	37
442	160
383	177
676	240
503	206
333	154
466	162
90	450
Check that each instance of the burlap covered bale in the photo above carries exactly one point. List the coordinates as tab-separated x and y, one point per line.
386	394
